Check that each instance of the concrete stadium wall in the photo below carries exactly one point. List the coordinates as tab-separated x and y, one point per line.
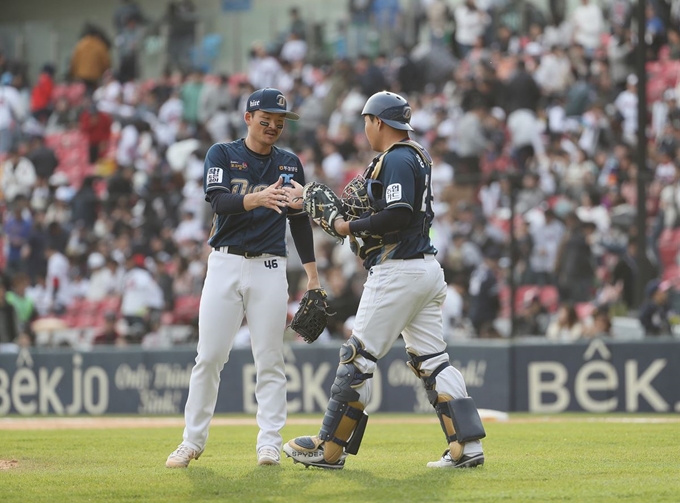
590	376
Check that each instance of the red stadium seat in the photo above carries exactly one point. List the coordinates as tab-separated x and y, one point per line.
550	298
671	273
186	309
107	304
583	310
86	320
71	319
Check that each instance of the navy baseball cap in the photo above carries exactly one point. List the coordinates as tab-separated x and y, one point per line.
270	100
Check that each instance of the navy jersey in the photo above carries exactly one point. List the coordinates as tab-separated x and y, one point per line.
234	168
407	183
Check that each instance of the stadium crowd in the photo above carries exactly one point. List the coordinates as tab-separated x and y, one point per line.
104	219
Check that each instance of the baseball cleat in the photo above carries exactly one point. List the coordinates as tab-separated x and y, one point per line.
309	452
268	456
180	457
446	461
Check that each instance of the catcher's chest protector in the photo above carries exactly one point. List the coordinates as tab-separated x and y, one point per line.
372	172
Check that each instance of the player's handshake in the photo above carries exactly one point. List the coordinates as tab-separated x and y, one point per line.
294	193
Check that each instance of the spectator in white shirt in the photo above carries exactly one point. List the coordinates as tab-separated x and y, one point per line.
452	309
189	229
18	175
547	238
333	165
295	49
554	72
141	293
12	111
40	296
627	104
588	26
263	68
57	281
592	211
102	282
470	25
169	119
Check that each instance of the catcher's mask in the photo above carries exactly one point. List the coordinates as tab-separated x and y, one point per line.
390	108
361	195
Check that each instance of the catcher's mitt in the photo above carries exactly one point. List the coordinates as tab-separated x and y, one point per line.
324	206
311	317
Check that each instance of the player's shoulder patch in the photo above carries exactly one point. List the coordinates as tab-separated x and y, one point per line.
214	175
393	193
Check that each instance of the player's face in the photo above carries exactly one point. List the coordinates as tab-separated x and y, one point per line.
265	127
371	130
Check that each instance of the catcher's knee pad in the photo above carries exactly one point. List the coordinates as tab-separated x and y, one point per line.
458	417
345	420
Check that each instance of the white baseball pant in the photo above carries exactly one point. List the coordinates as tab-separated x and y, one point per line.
405	297
235	286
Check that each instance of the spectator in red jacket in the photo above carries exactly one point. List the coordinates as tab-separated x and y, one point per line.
41	96
97	127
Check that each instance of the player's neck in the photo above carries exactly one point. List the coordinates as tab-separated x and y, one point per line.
256	147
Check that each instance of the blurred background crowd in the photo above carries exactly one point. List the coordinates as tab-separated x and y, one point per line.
530	115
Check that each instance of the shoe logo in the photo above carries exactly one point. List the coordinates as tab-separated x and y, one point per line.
314	454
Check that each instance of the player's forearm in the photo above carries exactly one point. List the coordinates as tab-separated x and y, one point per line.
312	275
226	203
383	222
301	230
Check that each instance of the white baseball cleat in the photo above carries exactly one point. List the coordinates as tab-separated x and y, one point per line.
268	456
181	456
309	452
447	461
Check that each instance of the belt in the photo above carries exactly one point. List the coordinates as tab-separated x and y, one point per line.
238	251
417	255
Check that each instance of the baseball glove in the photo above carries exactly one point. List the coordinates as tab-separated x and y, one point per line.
324	206
312	315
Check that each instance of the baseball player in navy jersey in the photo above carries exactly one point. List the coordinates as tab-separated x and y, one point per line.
403	295
248	184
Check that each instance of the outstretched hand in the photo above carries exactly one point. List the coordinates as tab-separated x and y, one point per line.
294	195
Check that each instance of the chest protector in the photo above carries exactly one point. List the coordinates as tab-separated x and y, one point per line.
364	196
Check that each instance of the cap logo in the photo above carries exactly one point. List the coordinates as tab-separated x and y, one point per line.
254	103
407	113
281	101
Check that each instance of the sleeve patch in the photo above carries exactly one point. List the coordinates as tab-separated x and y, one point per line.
393	192
214	175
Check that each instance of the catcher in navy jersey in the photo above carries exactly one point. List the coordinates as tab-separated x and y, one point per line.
248	182
387	214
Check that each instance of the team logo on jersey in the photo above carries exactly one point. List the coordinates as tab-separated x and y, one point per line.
241	166
214	176
393	192
290	169
281	101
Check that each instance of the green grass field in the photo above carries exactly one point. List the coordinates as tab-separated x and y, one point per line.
530	458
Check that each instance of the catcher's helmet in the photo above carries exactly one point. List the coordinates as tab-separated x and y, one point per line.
390	108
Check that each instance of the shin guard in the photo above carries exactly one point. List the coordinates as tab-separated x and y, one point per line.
460	421
458	417
345	420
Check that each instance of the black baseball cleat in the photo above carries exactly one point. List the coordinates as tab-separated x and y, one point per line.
446	461
309	452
